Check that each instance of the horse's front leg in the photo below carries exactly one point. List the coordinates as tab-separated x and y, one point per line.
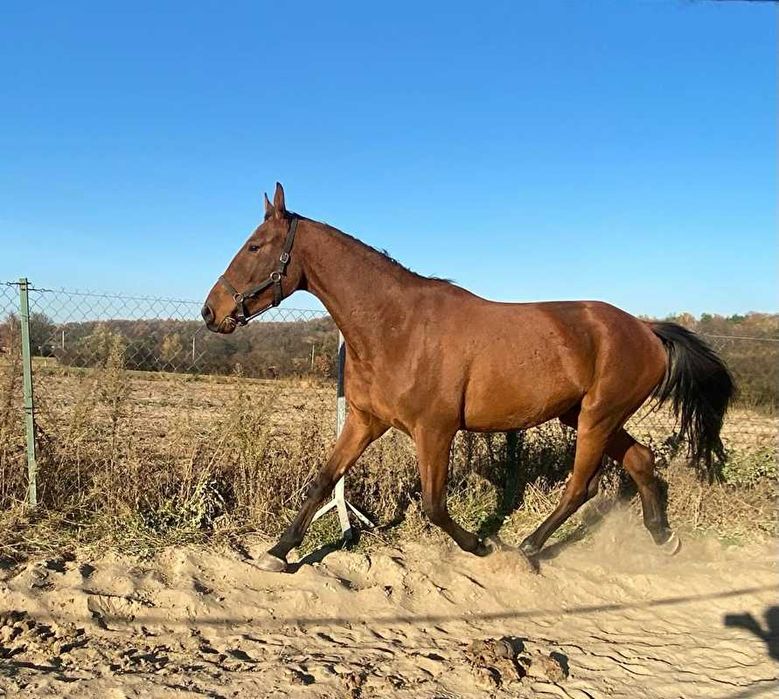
433	455
358	432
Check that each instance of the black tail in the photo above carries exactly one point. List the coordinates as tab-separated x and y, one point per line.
700	387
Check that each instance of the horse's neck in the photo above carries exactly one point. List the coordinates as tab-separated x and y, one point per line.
365	293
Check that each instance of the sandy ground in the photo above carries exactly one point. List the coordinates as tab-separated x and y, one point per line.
605	617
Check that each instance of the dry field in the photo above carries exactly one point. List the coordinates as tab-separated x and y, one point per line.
135	578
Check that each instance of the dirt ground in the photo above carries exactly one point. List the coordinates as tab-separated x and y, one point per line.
609	616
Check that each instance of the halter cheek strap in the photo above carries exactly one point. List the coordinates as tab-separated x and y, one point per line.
242	314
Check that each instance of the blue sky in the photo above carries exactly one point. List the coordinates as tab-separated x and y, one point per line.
621	150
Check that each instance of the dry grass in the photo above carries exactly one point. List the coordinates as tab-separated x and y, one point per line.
138	461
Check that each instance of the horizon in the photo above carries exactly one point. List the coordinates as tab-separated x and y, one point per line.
554	150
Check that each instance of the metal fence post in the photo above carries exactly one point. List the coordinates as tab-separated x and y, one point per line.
339	501
340	420
511	489
340	396
29	402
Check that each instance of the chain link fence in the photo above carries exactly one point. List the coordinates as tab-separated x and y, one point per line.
75	329
170	365
176	363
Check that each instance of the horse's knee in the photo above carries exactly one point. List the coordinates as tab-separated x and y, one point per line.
320	488
574	495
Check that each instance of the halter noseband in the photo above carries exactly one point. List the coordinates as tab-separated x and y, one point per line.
242	315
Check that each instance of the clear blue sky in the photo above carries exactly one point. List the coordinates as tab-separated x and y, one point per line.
621	150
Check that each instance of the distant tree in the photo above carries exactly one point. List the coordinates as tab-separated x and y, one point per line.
42	334
9	334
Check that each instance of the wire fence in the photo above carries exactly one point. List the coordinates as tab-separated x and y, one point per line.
76	329
75	333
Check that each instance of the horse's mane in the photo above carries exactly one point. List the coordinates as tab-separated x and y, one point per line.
381	253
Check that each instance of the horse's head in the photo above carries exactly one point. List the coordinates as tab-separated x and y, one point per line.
261	274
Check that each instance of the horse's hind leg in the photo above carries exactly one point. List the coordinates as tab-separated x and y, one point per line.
433	456
571	419
639	462
592	438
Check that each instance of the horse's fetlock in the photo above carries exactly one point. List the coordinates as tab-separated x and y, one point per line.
435	511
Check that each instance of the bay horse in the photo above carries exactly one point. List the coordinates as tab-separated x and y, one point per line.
429	358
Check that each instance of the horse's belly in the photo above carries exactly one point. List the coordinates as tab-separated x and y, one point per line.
518	401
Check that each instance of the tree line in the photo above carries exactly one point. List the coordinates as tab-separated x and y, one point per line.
262	350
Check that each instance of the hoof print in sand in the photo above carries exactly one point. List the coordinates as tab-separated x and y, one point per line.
552	667
354	682
495	660
42	646
501	662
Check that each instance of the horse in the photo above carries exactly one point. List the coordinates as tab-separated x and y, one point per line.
429	358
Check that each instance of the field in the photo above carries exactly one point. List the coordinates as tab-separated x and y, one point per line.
135	577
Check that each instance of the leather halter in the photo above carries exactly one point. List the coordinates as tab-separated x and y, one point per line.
242	316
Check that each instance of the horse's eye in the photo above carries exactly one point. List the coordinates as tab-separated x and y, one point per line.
254	248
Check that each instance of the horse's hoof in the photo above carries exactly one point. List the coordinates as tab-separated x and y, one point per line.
493	543
483	548
271	563
529	549
672	545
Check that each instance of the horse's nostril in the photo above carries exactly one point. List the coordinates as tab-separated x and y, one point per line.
207	313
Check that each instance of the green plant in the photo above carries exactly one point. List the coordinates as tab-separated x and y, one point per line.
746	469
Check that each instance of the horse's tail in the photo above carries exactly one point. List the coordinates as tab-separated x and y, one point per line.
700	387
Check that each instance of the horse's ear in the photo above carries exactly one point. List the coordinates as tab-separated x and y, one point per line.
278	200
268	206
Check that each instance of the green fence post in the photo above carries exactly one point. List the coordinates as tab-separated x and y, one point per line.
29	403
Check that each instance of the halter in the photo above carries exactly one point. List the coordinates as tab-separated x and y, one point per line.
242	315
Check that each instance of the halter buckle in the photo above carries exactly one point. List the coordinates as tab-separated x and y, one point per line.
284	258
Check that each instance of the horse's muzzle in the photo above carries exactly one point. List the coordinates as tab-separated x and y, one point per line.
226	326
208	316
